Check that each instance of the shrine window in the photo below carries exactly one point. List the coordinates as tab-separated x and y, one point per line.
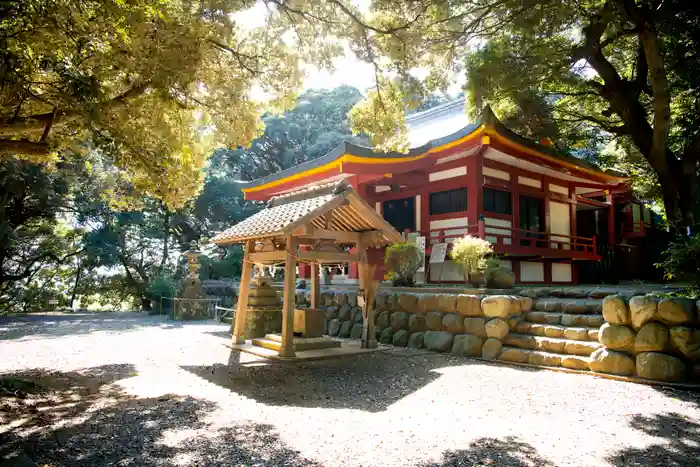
445	202
497	201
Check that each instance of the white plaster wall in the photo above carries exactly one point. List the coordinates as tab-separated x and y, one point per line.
489	172
562	272
379	189
490	224
446	224
560	223
531	271
449	173
559	189
378	207
527	181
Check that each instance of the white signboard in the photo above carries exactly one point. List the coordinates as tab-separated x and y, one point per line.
420	243
53	301
439	253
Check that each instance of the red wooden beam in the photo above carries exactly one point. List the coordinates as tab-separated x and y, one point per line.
409	179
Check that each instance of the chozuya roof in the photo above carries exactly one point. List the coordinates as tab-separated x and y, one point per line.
286	213
486	124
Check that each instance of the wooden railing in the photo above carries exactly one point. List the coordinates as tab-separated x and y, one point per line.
516	240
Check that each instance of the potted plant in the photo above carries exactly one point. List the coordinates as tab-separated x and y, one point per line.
403	261
470	254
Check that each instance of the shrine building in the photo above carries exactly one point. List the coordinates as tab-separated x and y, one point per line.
546	212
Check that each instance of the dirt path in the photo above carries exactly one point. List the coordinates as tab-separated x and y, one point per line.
132	390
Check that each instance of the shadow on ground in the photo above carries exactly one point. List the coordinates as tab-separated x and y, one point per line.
491	451
78	419
679	443
369	382
690	396
42	326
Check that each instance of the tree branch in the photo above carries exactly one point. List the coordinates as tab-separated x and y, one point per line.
37	123
28	148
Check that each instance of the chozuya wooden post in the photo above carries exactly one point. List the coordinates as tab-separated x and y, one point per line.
368	288
315	287
290	276
242	308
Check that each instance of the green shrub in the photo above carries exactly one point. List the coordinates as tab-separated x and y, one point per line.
403	261
228	267
470	254
163	286
681	261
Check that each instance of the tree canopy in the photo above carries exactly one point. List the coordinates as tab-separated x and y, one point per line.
62	238
154	85
584	73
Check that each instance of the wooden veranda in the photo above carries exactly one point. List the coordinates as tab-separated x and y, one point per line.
315	226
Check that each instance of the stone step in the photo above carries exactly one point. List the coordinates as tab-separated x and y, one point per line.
579	333
574	306
565	319
551	344
274	342
538	357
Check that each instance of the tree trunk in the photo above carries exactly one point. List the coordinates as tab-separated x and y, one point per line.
166	234
79	270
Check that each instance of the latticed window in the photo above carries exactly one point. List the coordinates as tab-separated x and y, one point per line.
444	202
497	201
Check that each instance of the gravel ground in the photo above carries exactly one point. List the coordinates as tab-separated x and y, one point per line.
131	390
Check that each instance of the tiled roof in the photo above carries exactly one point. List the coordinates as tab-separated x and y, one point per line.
285	213
273	219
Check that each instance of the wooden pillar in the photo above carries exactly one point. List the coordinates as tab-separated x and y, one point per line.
611	219
573	226
547	217
304	268
515	194
242	308
368	287
315	287
290	267
475	185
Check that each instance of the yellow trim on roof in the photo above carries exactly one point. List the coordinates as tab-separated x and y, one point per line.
486	132
507	142
359	160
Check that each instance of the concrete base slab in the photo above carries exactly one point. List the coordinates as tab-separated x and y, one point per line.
348	347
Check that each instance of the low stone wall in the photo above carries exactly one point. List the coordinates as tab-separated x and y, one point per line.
468	325
657	339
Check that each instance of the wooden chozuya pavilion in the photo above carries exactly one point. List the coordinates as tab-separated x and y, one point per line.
326	221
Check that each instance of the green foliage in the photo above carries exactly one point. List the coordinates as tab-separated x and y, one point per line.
316	125
229	266
403	261
161	287
581	74
682	260
470	254
154	85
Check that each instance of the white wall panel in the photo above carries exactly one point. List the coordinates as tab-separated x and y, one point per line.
450	173
531	271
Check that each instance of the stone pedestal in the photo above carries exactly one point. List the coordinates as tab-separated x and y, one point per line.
264	310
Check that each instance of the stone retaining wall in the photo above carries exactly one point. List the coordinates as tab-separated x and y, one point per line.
468	325
657	339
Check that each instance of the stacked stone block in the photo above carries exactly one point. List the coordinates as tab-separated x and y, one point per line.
657	339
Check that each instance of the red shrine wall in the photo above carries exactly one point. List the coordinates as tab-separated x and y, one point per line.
557	197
